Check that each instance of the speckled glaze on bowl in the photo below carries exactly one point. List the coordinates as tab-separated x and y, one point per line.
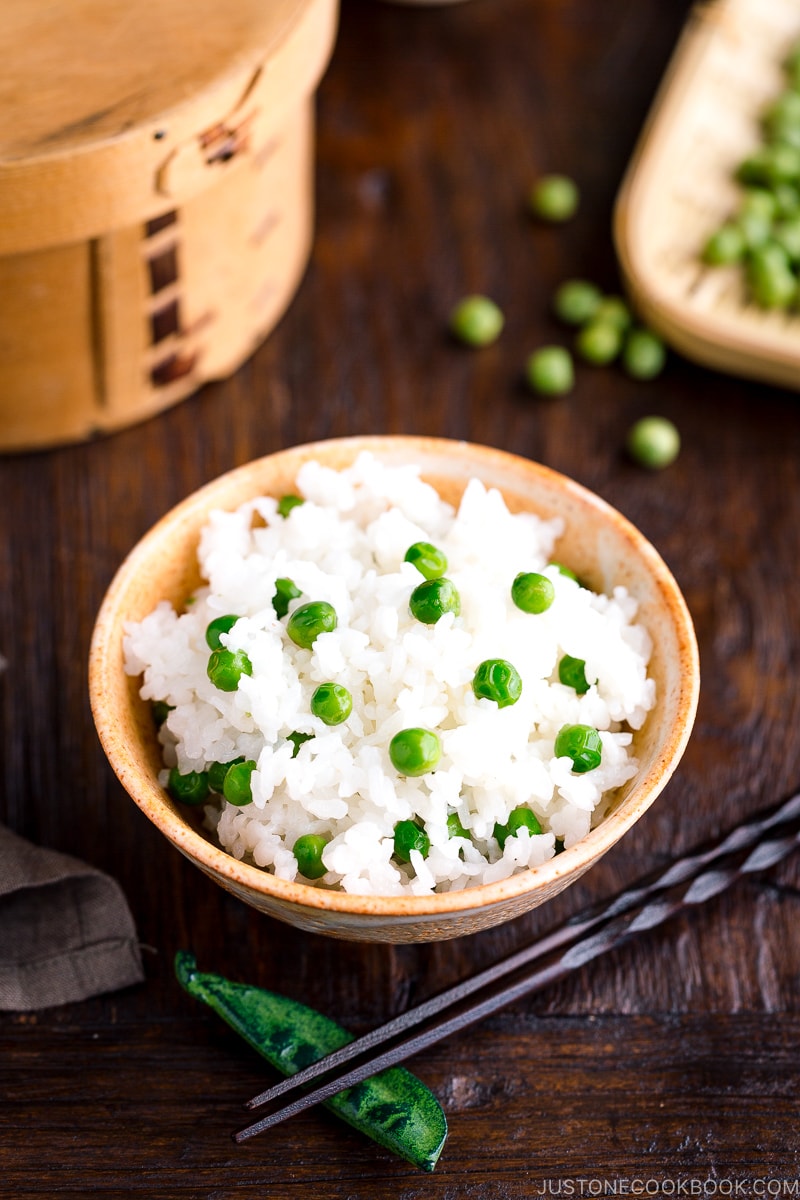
599	544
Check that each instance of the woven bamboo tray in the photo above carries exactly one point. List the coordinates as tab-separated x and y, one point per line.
679	188
156	185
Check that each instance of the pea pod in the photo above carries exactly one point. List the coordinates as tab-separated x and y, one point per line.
394	1108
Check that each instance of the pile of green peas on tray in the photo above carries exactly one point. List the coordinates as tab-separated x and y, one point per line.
413	752
762	238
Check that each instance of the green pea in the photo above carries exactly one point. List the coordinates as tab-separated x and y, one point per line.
287	503
565	571
554	198
770	277
791	66
582	744
308	852
758	200
476	320
599	342
217	772
432	599
216	627
285	591
653	442
226	668
161	710
612	310
755	229
297	740
332	703
236	787
455	827
409	836
549	371
576	301
771	165
415	751
725	246
496	679
787	200
191	788
782	117
429	561
643	355
786	234
518	818
572	673
532	593
310	620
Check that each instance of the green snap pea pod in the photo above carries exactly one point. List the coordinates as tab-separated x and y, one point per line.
394	1108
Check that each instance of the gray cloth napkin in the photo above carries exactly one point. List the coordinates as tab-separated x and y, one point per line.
66	931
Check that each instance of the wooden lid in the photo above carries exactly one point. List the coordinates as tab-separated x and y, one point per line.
107	107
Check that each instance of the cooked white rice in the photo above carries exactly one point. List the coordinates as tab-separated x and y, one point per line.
346	545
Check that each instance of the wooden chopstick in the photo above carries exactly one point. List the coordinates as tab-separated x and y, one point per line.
692	879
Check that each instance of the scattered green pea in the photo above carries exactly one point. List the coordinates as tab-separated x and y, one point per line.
599	342
161	710
236	786
217	772
653	442
432	599
408	836
643	355
497	679
287	503
477	321
191	788
216	627
308	852
429	560
332	703
612	310
576	301
518	818
415	751
454	826
532	592
572	673
226	668
565	571
310	620
297	740
582	744
286	590
549	371
554	198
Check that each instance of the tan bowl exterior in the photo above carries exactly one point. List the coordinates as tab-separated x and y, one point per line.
599	544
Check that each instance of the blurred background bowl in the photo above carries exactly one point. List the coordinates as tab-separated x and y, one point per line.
599	544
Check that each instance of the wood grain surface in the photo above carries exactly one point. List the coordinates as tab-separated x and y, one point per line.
671	1065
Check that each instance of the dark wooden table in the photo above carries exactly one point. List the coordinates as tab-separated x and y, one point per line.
673	1063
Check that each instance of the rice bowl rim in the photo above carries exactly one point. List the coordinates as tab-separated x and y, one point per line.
121	735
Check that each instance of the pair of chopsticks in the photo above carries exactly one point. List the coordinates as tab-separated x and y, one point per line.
755	845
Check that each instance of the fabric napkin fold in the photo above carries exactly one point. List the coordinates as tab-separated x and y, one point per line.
66	932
